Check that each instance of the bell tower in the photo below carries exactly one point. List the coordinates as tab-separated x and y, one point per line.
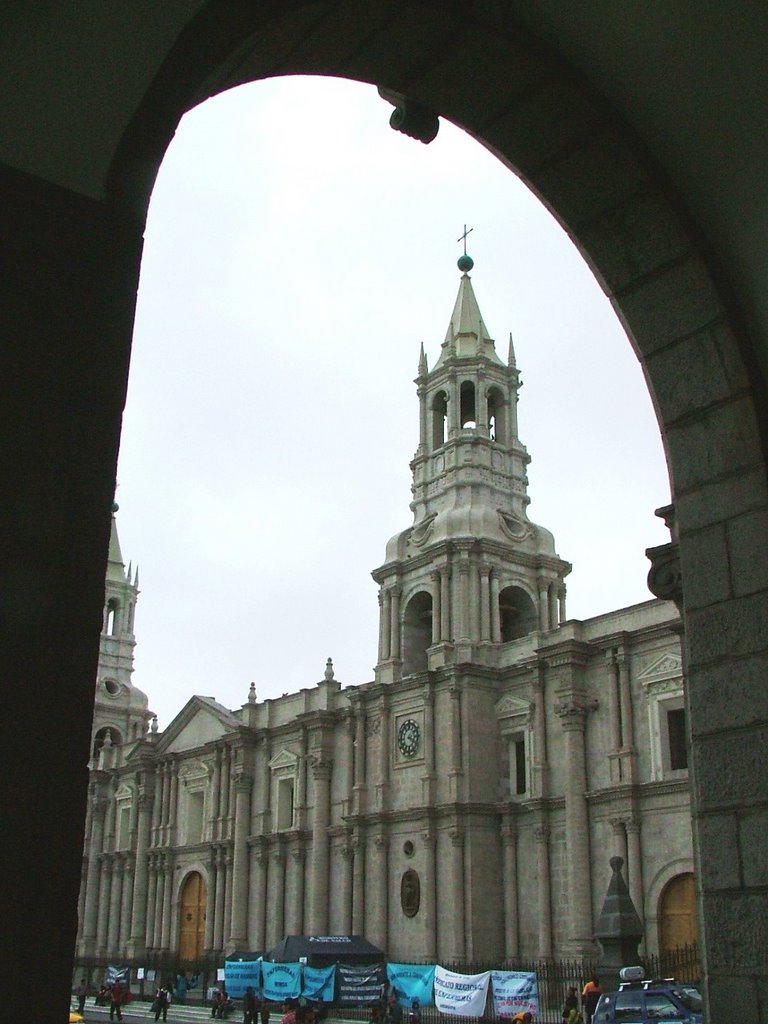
473	572
121	712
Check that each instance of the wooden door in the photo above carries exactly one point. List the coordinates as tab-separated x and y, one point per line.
677	914
194	897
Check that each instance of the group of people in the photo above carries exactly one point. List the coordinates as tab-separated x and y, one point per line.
590	996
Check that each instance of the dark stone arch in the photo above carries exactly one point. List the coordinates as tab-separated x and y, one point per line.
528	107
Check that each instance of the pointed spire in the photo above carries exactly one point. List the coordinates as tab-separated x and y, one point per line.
423	368
115	564
511	357
467	336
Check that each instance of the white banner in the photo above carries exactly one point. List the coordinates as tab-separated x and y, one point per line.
462	995
514	991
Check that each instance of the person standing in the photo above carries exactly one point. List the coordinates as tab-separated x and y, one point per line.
116	1000
590	997
81	992
250	1006
162	999
571	1013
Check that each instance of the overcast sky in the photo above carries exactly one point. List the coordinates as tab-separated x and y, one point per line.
298	251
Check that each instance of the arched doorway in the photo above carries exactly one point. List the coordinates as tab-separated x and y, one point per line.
417	633
194	897
677	913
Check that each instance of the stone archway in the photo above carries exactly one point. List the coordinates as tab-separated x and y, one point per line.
75	257
192	915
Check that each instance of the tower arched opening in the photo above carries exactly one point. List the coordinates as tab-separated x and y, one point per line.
101	736
439	420
417	633
467	405
517	614
497	424
113	607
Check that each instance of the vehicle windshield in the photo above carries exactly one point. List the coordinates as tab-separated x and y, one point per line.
689	997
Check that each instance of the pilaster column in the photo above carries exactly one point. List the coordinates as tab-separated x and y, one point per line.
635	866
382	785
457	887
475	586
358	884
485	602
360	758
95	847
278	916
625	698
436	597
394	643
552	602
138	937
126	895
174	802
421	392
386	625
319	864
495	610
346	854
257	896
445	604
152	901
160	900
540	763
481	407
218	902
543	606
383	623
227	929
239	934
380	908
580	926
429	893
215	793
614	716
463	599
456	760
115	893
452	397
509	841
226	779
167	901
561	602
105	888
541	835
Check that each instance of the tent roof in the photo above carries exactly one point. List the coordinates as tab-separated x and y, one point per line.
324	949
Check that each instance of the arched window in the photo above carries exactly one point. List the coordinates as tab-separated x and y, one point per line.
468	415
417	633
497	427
439	420
517	614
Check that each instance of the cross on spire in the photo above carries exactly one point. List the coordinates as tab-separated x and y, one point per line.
463	238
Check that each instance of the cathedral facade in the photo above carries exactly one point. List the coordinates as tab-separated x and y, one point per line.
461	806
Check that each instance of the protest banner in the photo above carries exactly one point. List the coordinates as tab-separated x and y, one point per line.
514	991
461	995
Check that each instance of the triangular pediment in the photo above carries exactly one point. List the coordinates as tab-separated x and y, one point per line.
201	721
510	706
283	759
668	665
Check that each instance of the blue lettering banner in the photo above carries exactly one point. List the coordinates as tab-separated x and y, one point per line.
461	995
514	991
239	974
412	981
319	983
281	981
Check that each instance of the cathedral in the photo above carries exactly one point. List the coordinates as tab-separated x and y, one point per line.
460	807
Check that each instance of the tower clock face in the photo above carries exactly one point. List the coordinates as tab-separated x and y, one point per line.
409	738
